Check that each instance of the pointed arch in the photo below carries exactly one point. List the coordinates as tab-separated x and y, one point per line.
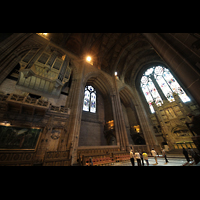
101	81
157	84
127	97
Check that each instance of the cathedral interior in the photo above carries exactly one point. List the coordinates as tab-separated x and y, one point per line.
65	97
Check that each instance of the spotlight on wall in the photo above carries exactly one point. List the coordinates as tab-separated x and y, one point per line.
115	73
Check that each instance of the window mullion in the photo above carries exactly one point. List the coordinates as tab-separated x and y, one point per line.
158	88
151	96
167	83
90	101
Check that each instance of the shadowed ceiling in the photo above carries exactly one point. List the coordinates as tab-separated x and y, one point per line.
121	52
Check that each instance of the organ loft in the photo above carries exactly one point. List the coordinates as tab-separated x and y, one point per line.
65	97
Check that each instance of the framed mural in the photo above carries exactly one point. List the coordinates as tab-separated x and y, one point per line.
18	138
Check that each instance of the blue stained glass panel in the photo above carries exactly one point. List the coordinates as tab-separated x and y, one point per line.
166	82
174	85
154	93
93	103
165	88
148	97
86	102
89	102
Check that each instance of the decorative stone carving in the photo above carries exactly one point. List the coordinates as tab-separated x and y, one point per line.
55	134
171	117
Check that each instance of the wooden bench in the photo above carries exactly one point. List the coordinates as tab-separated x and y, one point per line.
106	159
101	161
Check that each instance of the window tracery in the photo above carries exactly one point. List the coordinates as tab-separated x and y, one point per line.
89	103
162	77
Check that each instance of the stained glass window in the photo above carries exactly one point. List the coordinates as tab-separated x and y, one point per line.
154	93
93	103
89	103
175	87
86	102
161	77
148	96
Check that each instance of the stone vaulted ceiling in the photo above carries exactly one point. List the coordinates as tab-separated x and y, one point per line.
121	52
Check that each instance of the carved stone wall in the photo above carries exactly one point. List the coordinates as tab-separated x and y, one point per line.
169	123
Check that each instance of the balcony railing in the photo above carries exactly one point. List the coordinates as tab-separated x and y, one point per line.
26	100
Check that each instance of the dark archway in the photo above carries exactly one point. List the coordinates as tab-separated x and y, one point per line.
131	118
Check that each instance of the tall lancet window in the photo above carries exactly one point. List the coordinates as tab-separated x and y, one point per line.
157	79
89	103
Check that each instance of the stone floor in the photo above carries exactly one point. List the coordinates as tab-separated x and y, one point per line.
173	161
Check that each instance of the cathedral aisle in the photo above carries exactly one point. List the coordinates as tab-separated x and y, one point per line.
161	162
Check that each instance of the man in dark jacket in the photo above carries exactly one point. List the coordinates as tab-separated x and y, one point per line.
186	154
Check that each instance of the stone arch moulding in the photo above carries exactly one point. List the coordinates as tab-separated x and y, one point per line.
130	43
136	75
134	100
21	49
103	83
98	78
127	96
130	114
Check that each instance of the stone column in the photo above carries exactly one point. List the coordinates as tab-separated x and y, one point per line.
75	103
188	75
144	121
120	128
163	97
118	138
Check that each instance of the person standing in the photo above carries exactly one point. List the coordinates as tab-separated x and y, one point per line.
185	153
191	152
141	156
145	156
154	154
164	155
90	162
132	157
137	157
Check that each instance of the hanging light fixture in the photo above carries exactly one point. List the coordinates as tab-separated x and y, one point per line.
88	58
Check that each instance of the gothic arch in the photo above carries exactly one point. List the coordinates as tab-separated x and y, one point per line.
131	117
162	87
127	97
100	81
131	45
